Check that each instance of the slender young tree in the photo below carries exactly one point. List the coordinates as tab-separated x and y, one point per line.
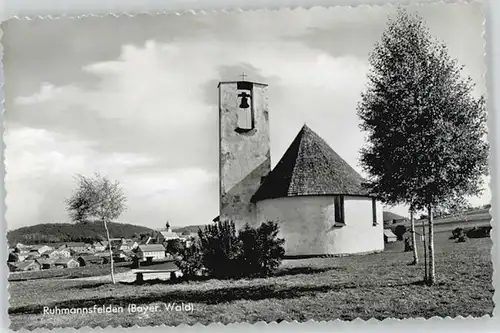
413	236
426	130
97	198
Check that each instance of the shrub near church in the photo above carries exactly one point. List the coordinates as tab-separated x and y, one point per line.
225	254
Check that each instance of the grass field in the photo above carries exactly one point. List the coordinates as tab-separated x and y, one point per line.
68	273
378	285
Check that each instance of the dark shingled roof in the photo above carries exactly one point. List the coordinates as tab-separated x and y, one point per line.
310	167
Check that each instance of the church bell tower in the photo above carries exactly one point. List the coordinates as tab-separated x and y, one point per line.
244	148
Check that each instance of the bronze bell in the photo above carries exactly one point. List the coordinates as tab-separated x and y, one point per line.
244	100
244	103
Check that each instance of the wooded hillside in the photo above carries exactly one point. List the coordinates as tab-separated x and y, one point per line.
79	232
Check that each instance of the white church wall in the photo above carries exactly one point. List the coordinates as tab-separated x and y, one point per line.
307	224
359	234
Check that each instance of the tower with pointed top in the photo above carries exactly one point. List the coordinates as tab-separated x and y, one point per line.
244	147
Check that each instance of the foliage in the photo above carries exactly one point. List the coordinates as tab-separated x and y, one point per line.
475	232
80	232
175	246
399	231
97	198
479	232
254	251
457	232
408	245
426	130
262	250
221	249
453	206
190	261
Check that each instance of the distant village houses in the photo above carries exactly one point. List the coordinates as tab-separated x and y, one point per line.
168	234
153	251
66	263
66	255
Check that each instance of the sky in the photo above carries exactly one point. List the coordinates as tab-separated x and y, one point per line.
135	98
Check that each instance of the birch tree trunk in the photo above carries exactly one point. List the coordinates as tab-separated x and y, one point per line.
413	237
432	270
110	252
425	252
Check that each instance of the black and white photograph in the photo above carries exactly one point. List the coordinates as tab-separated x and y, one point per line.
246	166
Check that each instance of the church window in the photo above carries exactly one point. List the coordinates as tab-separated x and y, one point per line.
374	210
339	209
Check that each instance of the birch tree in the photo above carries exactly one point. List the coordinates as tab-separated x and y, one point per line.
100	199
425	127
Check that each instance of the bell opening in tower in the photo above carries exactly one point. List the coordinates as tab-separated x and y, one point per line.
245	111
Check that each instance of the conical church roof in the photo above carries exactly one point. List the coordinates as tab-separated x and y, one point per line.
310	167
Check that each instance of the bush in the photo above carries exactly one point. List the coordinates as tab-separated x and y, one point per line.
174	246
456	233
221	249
408	245
253	252
479	232
262	250
190	261
399	231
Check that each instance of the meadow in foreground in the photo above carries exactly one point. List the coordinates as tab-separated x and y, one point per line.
378	285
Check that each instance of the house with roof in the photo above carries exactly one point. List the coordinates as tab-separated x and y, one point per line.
98	246
66	263
21	248
389	236
86	260
32	255
41	248
24	266
122	255
189	238
61	252
22	256
315	196
154	251
13	257
46	263
76	247
128	245
168	234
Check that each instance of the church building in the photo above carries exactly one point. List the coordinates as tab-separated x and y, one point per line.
313	194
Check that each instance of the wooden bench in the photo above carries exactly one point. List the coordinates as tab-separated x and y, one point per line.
161	267
139	274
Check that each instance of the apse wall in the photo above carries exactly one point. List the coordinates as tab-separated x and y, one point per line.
307	223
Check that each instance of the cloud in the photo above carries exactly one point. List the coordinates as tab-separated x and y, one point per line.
144	108
147	122
41	167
